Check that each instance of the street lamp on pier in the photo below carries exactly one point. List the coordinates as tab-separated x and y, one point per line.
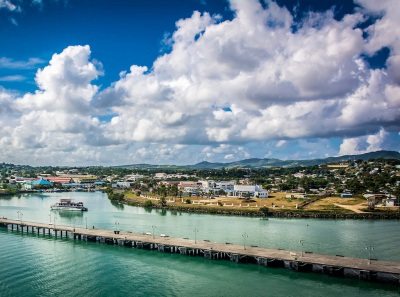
370	249
302	241
153	229
74	224
195	231
55	223
21	217
86	221
50	218
18	214
244	235
116	225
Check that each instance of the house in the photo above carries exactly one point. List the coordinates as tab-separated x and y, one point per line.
298	175
160	175
296	196
391	202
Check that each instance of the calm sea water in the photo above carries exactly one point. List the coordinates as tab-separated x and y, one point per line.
32	265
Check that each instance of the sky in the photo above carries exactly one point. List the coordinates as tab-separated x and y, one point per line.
183	81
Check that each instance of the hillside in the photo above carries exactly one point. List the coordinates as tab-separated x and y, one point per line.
265	163
255	163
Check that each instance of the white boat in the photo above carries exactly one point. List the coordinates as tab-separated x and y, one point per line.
68	204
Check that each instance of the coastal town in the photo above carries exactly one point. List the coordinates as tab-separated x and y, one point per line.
353	186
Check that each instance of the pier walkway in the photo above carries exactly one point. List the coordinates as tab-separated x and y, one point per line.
379	271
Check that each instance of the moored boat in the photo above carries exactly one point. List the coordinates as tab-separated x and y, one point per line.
68	204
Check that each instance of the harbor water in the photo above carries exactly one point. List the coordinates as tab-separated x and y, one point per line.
33	265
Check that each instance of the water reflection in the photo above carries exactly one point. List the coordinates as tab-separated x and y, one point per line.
117	205
148	209
162	212
68	214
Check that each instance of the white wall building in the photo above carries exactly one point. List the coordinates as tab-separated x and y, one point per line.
160	175
239	190
224	185
123	184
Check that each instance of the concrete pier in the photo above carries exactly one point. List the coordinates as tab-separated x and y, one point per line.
337	266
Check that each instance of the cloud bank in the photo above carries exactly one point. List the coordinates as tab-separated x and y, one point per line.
258	77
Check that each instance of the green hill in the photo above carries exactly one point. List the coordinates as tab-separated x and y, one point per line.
255	163
265	163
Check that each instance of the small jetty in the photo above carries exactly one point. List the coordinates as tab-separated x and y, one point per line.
337	266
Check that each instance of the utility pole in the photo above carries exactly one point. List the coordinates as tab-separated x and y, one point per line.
244	235
195	231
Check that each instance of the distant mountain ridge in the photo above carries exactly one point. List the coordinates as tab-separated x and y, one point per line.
256	163
266	163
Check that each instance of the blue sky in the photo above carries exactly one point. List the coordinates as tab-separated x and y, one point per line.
224	80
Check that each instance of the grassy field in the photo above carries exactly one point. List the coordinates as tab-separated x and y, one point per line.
276	202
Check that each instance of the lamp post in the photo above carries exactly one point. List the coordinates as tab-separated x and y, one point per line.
153	229
302	241
244	235
116	224
50	218
55	222
369	248
74	224
86	221
18	214
195	231
21	217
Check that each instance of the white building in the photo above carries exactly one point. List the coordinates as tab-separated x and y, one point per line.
239	190
160	175
122	185
134	177
298	175
217	185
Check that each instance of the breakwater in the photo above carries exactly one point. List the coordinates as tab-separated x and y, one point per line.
338	266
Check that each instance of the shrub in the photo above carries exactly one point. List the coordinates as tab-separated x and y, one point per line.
188	201
148	203
213	210
220	203
264	209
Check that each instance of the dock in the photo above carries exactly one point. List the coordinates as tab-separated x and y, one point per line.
337	266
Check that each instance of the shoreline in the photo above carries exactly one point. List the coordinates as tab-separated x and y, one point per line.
271	214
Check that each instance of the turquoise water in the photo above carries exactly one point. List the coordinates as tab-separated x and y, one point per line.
32	265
